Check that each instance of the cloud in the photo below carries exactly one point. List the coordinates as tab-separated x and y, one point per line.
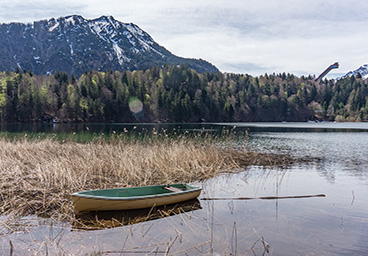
252	36
29	11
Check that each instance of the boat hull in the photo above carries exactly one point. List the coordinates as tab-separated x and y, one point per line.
90	202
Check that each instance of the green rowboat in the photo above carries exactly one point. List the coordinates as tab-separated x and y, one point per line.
133	198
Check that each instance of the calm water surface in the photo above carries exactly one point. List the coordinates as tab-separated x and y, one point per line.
333	225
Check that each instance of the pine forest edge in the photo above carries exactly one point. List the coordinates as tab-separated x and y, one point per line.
178	94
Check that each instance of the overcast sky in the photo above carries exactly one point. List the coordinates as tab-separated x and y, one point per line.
240	36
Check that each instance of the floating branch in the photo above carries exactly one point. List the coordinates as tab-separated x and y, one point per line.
262	197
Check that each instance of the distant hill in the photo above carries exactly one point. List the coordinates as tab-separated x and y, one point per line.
75	45
363	71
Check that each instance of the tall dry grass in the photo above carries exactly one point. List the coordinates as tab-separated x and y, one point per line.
38	175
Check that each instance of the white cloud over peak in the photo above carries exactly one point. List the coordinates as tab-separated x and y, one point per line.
252	36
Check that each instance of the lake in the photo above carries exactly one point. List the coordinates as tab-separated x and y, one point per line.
336	224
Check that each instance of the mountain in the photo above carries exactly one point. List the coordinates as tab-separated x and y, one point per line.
363	71
75	45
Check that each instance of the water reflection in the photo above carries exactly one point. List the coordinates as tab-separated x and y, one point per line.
105	128
333	225
207	127
112	219
336	151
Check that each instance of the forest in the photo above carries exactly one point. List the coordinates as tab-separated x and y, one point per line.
174	93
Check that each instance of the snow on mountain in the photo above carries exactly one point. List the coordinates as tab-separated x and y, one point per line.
75	45
363	71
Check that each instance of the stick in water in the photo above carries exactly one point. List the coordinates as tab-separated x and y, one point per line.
262	197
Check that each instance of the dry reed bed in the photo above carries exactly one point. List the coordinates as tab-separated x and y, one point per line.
37	176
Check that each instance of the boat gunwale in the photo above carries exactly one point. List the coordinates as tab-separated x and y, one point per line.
131	198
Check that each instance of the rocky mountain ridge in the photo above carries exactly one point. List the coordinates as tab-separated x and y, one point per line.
362	70
75	45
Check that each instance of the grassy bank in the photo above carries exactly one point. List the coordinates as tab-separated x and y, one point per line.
38	175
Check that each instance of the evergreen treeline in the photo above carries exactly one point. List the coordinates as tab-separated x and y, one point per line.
178	94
